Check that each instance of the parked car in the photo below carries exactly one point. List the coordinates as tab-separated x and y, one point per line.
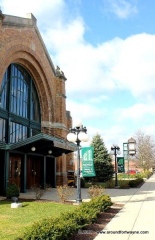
132	172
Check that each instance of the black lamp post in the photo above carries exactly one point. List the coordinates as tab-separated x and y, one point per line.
115	149
78	134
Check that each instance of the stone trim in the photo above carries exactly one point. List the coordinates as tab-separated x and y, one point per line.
53	125
29	21
60	73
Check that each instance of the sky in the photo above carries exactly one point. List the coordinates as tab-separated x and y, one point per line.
106	49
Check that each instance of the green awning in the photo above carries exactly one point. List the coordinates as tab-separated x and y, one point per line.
43	143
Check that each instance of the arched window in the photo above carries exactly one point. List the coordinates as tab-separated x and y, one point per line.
19	105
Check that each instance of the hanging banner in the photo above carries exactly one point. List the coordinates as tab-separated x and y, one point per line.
88	162
120	164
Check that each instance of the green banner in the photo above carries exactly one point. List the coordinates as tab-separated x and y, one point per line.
88	162
120	164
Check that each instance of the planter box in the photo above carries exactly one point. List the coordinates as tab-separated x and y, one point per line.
16	205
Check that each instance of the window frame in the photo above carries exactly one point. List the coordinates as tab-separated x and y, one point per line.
17	78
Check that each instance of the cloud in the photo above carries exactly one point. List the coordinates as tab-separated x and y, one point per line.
149	129
134	69
117	134
117	64
95	71
86	111
37	7
88	68
121	8
136	113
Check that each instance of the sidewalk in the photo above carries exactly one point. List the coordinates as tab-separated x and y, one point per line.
117	195
137	215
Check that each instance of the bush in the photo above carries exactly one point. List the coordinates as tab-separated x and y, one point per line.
50	228
102	203
136	182
145	174
80	218
95	191
110	184
12	191
123	184
126	175
64	192
39	191
63	227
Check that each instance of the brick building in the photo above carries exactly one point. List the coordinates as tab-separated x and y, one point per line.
33	117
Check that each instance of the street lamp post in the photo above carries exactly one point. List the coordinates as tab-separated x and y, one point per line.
115	149
131	149
78	134
132	146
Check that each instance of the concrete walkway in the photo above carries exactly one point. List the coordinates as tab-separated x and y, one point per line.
136	220
117	195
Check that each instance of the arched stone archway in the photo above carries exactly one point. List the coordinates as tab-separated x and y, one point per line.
43	77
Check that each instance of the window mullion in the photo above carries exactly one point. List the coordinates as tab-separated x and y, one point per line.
9	103
30	106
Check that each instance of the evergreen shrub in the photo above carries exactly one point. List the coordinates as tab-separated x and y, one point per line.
136	182
63	227
123	184
12	191
110	184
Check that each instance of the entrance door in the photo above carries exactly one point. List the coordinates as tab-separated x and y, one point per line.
33	171
15	170
50	172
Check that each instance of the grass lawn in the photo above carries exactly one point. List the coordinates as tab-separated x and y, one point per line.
13	221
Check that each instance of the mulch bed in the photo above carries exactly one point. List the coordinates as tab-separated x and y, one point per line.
91	231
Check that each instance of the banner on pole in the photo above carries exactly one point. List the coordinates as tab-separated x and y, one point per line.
120	164
88	162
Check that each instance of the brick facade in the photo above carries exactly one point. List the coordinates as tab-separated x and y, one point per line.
21	42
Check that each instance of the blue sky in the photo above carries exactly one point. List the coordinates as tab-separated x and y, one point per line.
106	48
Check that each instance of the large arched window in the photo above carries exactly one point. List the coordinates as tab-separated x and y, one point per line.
19	105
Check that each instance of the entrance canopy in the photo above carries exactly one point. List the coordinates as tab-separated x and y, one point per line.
42	144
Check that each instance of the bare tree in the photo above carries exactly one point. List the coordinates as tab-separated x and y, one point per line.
145	154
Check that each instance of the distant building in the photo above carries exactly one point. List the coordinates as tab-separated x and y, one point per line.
33	117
